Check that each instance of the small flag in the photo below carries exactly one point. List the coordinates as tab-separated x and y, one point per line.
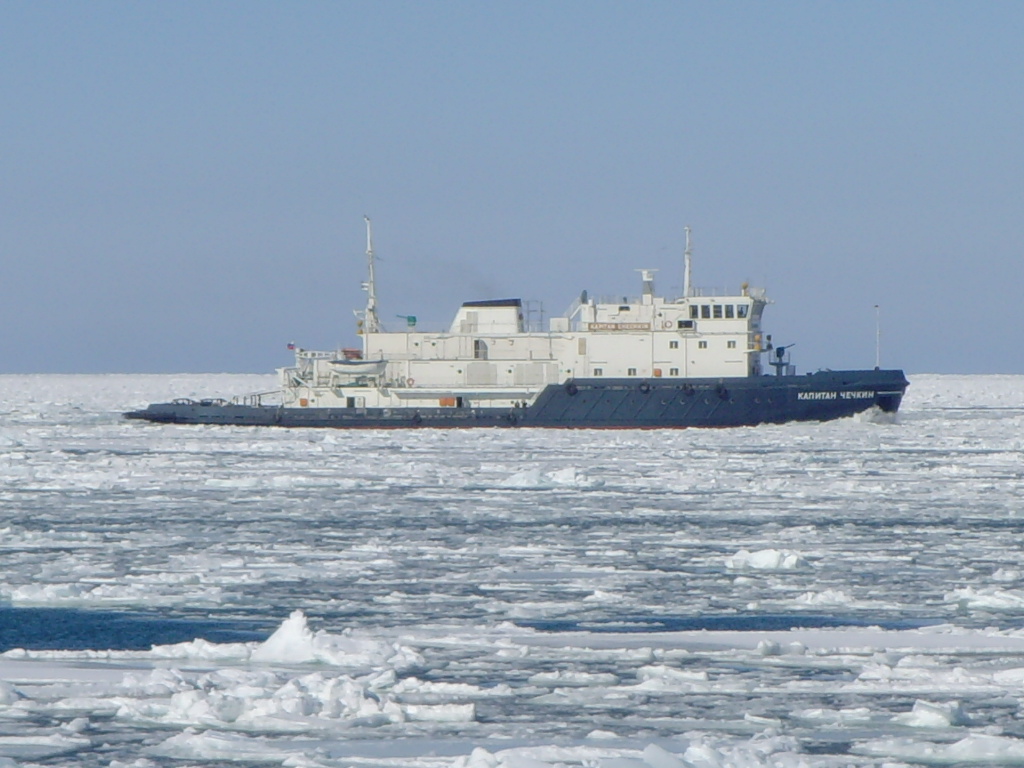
291	345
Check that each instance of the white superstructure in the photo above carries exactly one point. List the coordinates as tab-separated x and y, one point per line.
488	357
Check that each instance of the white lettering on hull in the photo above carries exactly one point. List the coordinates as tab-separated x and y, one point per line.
852	395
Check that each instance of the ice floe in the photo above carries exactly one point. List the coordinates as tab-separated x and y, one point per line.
765	560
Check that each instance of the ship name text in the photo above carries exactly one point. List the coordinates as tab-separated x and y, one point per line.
852	395
619	326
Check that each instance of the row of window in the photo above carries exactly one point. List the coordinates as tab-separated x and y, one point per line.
710	311
730	344
632	372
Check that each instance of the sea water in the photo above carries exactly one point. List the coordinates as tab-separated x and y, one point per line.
848	593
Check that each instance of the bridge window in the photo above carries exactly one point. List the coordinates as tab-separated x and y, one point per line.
705	311
693	311
730	310
717	310
742	309
479	349
685	323
673	345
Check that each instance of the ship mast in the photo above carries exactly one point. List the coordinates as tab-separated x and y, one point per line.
687	255
371	324
878	339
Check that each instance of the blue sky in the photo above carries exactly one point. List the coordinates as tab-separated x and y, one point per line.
182	185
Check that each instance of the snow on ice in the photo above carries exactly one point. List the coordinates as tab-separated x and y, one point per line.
800	595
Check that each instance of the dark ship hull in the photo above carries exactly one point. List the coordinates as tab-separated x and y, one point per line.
594	403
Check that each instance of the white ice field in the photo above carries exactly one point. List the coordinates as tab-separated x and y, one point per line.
838	594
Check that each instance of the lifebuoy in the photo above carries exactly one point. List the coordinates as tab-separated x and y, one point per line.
644	387
571	389
667	324
409	382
